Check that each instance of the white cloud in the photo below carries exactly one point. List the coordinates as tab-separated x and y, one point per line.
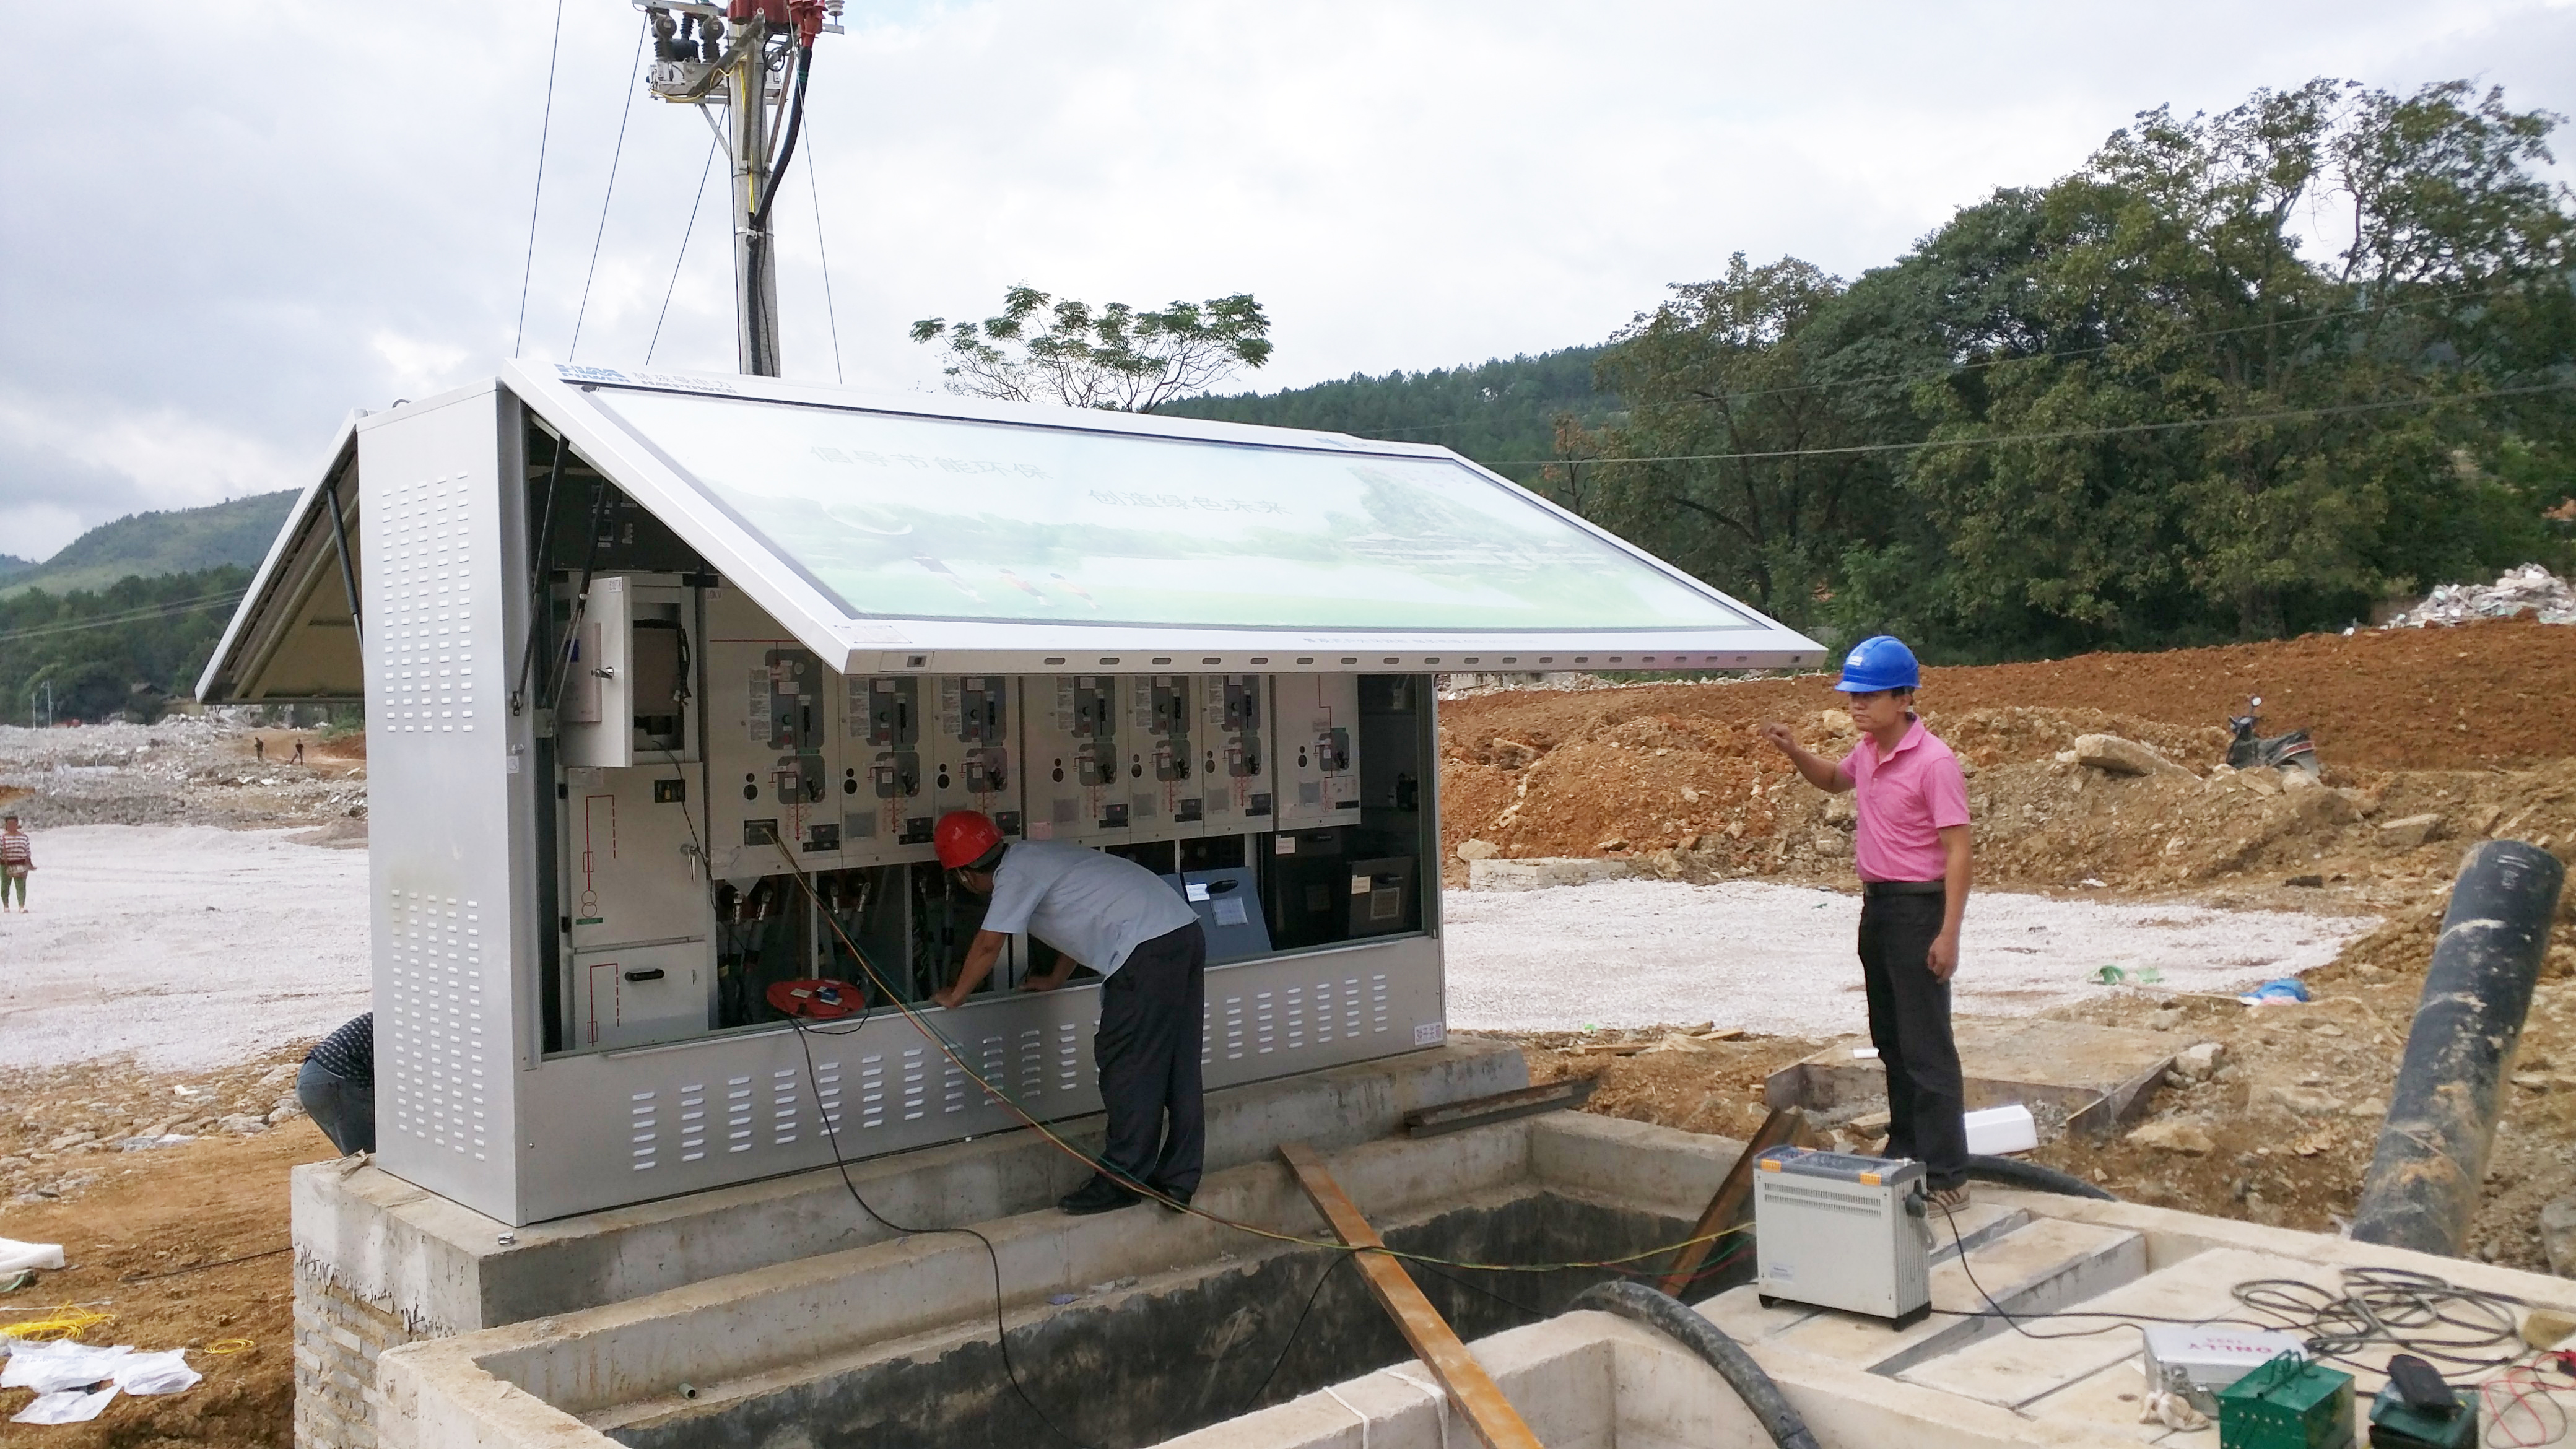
37	530
1403	183
420	366
166	456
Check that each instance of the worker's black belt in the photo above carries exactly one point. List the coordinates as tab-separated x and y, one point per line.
1903	887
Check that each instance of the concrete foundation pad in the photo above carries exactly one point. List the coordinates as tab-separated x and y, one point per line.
2090	1078
380	1262
892	1342
1996	1389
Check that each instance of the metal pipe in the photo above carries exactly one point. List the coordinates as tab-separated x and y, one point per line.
2422	1190
340	545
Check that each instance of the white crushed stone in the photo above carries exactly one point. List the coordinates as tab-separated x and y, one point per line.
185	946
1780	959
2528	587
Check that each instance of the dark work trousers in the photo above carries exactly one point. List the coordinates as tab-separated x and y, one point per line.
1153	1012
1909	1023
344	1110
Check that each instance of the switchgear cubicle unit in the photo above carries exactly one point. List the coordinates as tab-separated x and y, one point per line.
668	677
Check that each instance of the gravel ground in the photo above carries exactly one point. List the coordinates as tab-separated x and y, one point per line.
1778	959
186	770
183	947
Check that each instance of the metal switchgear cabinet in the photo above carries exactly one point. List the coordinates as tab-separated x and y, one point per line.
668	676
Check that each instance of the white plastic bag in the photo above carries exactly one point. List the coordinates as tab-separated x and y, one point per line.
156	1373
64	1406
15	1255
52	1367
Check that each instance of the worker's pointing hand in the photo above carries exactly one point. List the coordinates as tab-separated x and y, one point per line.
1782	738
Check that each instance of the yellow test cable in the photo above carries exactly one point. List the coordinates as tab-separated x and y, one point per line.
951	1052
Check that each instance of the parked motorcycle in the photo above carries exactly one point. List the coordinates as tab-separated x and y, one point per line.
2246	750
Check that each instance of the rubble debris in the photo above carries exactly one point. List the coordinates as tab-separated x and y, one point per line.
2528	587
2186	1138
2114	755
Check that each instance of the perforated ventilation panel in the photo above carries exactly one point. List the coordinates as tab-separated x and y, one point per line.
623	1127
430	1025
444	893
425	617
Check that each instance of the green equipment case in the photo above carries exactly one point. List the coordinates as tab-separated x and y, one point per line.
2287	1403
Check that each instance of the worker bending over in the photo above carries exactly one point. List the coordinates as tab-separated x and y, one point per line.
1911	849
1119	919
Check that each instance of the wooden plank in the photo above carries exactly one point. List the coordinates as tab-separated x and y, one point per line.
1479	1401
1500	1107
1783	1128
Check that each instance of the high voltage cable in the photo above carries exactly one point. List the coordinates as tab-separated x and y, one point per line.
2071	433
1956	368
545	127
634	66
686	232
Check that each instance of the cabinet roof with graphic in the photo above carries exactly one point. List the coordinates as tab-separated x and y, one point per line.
920	531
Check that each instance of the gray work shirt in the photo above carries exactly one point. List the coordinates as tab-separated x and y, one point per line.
1094	908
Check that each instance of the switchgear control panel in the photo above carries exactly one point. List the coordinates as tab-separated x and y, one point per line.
771	819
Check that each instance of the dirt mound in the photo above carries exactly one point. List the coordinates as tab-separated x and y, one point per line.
2489	693
1674	776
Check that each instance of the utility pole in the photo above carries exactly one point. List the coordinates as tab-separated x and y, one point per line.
749	59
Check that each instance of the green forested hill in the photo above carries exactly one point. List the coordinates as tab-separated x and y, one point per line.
2134	407
149	544
1503	410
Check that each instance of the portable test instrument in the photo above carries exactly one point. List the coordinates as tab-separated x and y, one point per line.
1836	1231
668	676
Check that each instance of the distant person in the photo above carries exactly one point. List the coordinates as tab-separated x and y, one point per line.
337	1084
299	753
17	857
259	749
1911	850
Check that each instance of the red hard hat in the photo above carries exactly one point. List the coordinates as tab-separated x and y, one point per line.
964	837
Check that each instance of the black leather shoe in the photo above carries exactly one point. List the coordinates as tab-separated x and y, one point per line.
1170	1199
1099	1195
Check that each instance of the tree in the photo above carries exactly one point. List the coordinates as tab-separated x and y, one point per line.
1041	349
1726	462
2223	437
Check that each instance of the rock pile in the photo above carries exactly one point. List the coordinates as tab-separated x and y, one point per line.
2528	587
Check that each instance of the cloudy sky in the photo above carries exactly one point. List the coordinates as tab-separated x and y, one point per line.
236	223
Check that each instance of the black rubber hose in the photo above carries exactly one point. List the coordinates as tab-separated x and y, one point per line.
1676	1321
2011	1172
2422	1189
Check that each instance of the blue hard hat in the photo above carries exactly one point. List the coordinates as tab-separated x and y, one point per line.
1878	662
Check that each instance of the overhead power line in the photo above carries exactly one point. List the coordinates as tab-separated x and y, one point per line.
545	127
686	232
814	185
129	616
2052	437
634	68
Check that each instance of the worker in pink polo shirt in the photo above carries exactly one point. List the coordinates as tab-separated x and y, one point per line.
1911	849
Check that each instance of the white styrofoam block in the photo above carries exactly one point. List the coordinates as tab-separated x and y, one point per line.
2002	1129
16	1255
